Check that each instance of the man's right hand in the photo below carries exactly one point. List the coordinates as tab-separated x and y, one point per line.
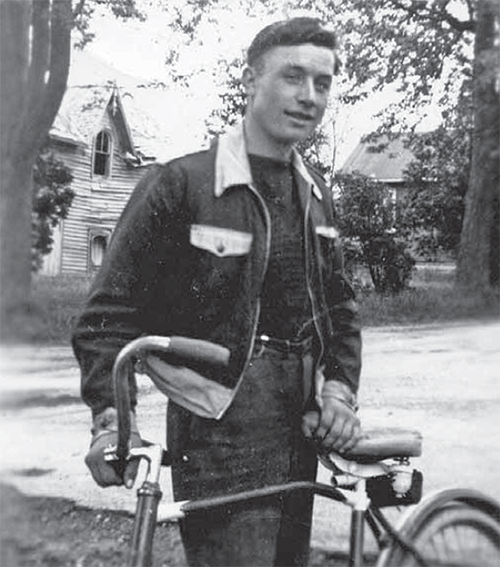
103	471
105	433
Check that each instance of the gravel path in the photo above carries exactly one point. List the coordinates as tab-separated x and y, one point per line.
442	380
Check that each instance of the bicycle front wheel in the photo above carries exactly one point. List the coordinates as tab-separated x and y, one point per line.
459	528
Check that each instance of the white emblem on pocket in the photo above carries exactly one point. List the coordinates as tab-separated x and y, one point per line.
220	241
327	231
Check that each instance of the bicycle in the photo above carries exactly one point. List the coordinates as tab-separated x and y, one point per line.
455	526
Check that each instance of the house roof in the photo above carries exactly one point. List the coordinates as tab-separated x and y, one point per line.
93	85
384	160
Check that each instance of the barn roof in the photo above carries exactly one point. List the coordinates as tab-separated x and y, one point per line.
384	160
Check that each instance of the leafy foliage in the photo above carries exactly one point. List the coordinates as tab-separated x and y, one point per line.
364	206
52	199
232	98
390	263
368	220
83	11
414	40
437	181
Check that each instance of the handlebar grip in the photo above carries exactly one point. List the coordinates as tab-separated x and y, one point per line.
196	351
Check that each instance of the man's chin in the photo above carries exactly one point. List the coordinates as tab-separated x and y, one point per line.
301	136
293	136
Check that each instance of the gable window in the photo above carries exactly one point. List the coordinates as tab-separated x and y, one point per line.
102	154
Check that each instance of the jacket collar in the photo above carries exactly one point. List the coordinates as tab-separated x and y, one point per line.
233	168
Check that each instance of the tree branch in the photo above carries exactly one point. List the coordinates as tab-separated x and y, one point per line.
40	54
55	74
419	11
15	18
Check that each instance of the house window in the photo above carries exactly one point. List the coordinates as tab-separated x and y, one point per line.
102	154
98	243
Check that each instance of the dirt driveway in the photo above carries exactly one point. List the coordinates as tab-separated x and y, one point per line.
442	380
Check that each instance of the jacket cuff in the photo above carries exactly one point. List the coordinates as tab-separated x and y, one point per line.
339	391
107	420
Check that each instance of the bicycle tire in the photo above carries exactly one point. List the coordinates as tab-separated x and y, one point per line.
456	527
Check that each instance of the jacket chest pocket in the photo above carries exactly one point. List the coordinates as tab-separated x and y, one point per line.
328	237
338	288
220	255
221	242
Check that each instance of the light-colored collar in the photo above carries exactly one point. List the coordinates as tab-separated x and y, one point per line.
233	168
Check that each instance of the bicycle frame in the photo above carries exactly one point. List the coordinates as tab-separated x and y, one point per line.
343	488
149	496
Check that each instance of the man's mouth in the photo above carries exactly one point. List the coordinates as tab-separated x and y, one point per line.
300	116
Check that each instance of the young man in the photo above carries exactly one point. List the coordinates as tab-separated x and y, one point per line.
237	245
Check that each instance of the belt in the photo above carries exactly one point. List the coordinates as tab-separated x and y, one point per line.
285	346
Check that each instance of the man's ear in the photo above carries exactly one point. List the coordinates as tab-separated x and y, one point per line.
248	80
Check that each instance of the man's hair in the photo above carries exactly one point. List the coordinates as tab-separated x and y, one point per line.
295	31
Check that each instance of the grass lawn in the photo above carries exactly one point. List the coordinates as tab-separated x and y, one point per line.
431	298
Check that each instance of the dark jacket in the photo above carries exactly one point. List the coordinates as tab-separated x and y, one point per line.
189	256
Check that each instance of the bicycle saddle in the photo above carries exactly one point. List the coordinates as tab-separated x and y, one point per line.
385	443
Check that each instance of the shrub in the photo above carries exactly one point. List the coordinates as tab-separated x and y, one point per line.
369	221
391	265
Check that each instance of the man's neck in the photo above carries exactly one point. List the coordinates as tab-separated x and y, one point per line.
260	145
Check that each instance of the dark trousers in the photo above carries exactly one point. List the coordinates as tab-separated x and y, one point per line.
257	443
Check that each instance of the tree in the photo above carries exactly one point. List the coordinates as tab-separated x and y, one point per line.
35	45
477	255
369	225
437	181
420	43
34	65
52	198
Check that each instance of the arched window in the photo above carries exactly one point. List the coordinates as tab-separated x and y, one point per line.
97	249
98	243
102	154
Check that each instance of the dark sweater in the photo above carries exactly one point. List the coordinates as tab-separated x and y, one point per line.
285	308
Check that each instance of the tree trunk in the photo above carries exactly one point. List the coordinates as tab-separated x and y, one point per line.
15	234
473	267
34	64
14	203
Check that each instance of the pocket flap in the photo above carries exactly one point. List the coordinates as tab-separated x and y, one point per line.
220	241
327	231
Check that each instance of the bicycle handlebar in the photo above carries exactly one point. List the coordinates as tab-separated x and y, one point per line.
375	444
182	349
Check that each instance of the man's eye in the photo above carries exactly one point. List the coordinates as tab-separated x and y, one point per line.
323	87
293	78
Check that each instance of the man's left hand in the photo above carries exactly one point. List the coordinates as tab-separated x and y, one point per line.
334	428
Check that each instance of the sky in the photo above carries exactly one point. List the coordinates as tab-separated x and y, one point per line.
139	49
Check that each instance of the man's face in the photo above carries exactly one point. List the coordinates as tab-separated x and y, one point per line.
288	92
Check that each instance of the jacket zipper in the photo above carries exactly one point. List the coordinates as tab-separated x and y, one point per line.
267	216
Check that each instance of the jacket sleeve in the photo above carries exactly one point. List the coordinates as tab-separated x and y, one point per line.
120	306
342	356
343	351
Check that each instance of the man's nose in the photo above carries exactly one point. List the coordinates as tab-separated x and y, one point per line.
307	93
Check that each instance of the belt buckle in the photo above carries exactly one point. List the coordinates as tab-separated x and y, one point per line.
281	345
285	346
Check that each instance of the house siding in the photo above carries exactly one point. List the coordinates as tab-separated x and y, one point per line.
98	202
